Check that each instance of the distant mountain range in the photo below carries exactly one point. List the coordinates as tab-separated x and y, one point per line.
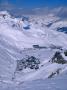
60	11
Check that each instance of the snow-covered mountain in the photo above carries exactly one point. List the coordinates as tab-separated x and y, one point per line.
32	48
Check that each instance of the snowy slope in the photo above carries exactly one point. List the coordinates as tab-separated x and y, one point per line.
17	38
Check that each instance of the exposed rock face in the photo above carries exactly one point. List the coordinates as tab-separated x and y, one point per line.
63	29
65	52
57	58
28	62
55	73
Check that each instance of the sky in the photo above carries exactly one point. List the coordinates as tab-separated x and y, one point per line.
35	3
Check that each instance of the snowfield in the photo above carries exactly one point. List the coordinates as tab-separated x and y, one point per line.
33	53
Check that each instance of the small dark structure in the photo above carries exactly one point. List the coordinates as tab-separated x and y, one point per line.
35	46
39	47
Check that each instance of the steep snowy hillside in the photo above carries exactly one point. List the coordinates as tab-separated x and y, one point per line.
31	48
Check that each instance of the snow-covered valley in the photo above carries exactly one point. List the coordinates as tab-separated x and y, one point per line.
33	52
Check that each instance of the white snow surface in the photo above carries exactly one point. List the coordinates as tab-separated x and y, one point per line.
17	42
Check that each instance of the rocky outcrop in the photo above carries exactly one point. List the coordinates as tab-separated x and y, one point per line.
58	58
28	62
